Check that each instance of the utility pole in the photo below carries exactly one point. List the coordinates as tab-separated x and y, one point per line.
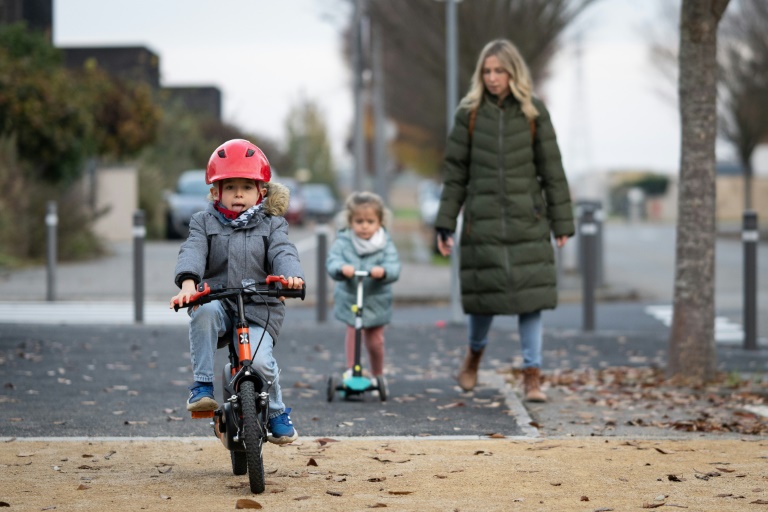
452	79
359	137
379	136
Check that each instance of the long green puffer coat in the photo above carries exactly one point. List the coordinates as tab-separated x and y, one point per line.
514	193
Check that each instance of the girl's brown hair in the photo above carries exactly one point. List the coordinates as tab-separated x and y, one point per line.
359	199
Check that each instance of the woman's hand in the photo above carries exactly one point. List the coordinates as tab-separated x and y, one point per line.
348	271
445	247
560	240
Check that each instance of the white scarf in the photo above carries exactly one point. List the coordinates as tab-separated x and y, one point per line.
373	244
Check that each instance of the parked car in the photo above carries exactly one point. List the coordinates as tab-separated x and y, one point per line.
319	200
190	196
296	206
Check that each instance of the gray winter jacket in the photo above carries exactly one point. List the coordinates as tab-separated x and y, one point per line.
377	293
219	254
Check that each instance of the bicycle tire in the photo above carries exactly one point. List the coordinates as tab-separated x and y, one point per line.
253	437
239	463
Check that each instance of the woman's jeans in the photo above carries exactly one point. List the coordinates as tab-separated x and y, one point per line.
208	323
529	325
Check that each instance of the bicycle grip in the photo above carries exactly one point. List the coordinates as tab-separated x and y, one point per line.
202	290
293	293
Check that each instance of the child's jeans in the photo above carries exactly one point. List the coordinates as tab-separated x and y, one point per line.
374	344
208	323
529	326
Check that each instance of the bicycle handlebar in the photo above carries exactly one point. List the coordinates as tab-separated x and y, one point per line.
272	287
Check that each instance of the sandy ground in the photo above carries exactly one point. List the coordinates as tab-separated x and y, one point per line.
583	474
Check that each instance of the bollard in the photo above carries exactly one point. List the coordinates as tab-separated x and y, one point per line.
322	277
588	232
749	237
51	223
598	217
139	234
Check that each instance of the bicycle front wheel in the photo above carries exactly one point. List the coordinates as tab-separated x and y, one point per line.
253	437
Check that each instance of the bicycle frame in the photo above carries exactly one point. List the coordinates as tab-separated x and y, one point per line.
241	421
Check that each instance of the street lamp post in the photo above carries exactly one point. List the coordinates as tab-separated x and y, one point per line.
452	78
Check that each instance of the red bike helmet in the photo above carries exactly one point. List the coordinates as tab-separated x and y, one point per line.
237	158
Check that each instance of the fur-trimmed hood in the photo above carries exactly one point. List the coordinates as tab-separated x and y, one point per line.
276	202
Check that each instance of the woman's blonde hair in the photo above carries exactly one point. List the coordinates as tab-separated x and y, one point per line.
520	83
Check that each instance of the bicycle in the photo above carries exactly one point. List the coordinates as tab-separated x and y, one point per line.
355	383
241	421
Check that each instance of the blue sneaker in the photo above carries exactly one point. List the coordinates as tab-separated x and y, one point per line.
201	397
281	429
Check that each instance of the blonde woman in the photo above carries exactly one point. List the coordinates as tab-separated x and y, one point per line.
503	166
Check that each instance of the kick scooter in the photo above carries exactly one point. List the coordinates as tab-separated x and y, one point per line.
355	383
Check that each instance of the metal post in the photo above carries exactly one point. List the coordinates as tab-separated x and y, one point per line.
749	237
588	232
322	276
358	135
139	234
452	78
51	223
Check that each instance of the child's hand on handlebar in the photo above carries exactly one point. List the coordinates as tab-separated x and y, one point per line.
348	271
378	272
293	282
188	289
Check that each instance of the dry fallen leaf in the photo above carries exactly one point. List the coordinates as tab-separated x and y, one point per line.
652	505
400	493
246	503
333	493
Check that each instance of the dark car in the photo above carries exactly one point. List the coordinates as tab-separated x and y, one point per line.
190	196
320	204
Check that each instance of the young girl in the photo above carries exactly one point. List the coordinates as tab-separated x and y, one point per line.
364	245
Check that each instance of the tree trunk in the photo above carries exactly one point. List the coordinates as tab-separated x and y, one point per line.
692	343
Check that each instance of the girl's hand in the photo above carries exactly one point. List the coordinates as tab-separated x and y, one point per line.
378	272
348	271
560	240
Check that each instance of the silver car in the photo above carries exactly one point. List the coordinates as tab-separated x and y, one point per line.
190	196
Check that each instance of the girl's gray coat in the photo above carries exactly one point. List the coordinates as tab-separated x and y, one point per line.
377	293
222	255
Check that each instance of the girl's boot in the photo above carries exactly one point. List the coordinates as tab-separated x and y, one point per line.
532	385
468	372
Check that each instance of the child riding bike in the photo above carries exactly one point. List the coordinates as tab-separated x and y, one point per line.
240	235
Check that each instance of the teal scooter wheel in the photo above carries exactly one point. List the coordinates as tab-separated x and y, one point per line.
330	390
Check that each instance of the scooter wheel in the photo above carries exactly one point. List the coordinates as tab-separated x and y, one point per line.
383	388
331	389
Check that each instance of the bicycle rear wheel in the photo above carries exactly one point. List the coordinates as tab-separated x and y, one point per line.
253	437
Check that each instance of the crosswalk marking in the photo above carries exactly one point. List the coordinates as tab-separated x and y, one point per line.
79	313
726	331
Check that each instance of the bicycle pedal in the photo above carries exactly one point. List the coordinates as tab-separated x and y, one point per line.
199	415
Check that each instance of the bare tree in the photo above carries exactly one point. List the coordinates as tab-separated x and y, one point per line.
414	59
692	344
744	82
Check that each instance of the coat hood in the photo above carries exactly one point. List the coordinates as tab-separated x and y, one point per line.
276	202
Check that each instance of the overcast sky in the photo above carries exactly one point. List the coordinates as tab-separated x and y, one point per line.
266	54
